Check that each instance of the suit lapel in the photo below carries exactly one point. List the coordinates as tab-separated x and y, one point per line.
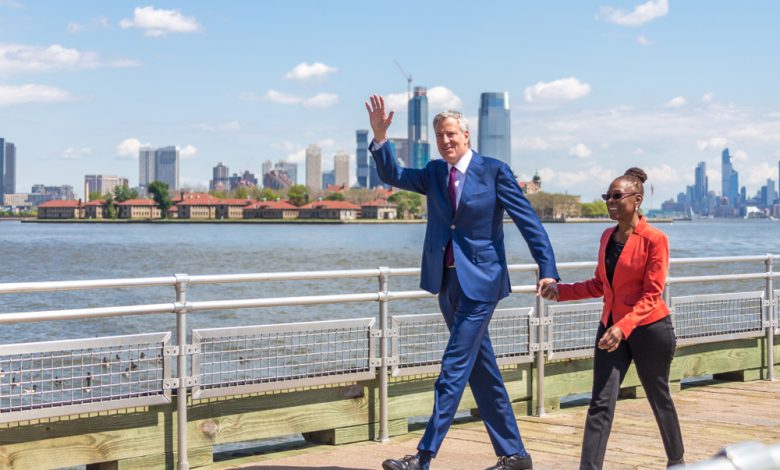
602	261
473	172
442	177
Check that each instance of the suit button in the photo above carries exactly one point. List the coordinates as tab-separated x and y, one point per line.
444	248
452	227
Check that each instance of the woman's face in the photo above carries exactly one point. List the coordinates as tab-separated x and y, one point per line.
622	200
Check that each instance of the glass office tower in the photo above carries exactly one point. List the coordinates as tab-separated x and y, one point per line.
495	138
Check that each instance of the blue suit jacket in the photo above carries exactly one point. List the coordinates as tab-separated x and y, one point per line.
476	228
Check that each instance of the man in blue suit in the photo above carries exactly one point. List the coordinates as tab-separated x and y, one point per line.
465	264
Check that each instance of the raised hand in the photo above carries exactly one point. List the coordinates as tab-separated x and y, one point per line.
379	119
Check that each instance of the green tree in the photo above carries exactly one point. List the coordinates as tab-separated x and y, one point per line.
298	194
408	203
110	207
95	196
124	193
241	192
219	194
594	209
334	197
159	192
265	194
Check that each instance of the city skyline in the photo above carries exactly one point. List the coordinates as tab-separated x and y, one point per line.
594	88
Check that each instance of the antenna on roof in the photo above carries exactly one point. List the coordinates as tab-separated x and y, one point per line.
408	79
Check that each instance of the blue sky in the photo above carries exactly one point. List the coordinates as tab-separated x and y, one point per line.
594	86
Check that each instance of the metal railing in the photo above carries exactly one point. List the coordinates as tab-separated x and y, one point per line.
60	378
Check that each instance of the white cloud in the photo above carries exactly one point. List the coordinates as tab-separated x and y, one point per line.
580	151
282	98
639	151
20	94
100	22
756	175
71	153
19	58
187	152
739	156
128	149
229	126
641	39
441	98
533	143
596	175
707	98
640	15
305	71
715	143
322	100
156	22
565	89
397	101
676	102
662	174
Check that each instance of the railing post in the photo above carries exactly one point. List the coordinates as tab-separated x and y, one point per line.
540	353
384	276
771	314
181	372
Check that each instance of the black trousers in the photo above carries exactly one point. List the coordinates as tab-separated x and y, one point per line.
651	348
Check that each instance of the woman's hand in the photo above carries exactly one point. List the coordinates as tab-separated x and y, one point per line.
611	339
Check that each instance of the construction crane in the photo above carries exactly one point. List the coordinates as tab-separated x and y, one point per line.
408	80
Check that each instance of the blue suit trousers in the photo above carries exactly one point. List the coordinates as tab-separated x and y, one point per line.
469	357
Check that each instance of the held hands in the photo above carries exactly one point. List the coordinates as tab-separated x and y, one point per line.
379	120
611	339
547	288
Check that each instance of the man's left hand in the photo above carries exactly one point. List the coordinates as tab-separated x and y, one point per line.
543	282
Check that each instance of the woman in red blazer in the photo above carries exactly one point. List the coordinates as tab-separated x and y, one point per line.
635	324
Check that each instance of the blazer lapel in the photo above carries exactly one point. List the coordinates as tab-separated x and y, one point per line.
442	177
602	261
473	173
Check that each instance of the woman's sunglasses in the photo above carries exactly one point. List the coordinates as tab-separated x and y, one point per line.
616	196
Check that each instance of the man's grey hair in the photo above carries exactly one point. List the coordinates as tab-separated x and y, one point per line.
456	115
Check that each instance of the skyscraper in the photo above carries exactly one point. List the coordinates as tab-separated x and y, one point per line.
9	177
419	150
729	179
103	184
495	139
220	179
291	169
166	167
341	169
401	149
314	168
700	189
2	167
267	166
362	158
145	168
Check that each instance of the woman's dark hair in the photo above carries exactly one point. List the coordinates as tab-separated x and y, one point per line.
637	176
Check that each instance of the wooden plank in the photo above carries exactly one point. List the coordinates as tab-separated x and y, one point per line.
363	432
197	458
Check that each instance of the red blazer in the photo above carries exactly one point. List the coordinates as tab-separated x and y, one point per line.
635	296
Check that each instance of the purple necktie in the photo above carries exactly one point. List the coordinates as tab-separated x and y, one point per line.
449	255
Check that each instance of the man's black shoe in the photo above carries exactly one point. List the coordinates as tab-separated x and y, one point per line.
410	462
513	462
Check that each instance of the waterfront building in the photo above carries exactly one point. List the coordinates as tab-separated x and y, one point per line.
60	209
197	206
95	209
362	158
729	179
770	195
336	188
701	190
166	167
341	168
231	208
244	180
338	210
104	184
314	169
20	200
495	139
379	209
271	210
138	209
277	180
291	169
8	175
418	147
41	193
145	168
219	178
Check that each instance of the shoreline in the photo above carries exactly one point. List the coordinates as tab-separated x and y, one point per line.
581	220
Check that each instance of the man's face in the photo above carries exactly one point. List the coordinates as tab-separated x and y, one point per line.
453	143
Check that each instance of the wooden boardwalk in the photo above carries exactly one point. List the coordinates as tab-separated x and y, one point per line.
712	416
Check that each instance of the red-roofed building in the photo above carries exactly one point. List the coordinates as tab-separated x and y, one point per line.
383	193
198	206
138	209
231	208
59	209
336	188
378	209
338	210
271	210
95	209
